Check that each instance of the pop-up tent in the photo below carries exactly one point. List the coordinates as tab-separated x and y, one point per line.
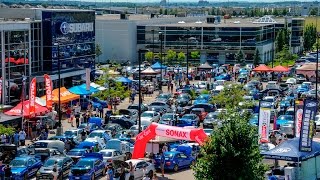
124	80
82	90
155	129
97	86
65	95
158	65
16	111
289	151
280	69
262	68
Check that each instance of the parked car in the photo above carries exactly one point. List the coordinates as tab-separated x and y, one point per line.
254	121
139	165
167	118
183	100
207	107
90	126
284	119
101	134
76	153
202	98
136	107
130	114
291	81
74	133
188	120
226	77
109	155
64	164
211	120
175	160
150	116
24	167
300	78
88	167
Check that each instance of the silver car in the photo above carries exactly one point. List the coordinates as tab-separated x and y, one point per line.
64	164
287	128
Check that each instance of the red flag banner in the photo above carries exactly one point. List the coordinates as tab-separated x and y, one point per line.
32	97
48	83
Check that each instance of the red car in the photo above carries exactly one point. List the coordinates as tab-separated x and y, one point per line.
200	112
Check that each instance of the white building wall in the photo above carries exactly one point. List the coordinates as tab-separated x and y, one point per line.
117	39
265	52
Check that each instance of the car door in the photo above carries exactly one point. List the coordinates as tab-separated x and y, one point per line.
138	172
67	166
184	160
97	168
178	160
32	166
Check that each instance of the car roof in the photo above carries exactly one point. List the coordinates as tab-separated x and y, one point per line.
108	150
23	157
135	161
99	131
78	149
149	112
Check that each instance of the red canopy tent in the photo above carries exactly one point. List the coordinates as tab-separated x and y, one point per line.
16	111
262	68
280	69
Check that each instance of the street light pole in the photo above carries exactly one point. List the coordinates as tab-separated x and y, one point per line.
59	129
140	98
317	55
161	39
188	54
152	44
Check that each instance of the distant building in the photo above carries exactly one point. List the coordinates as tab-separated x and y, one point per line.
163	3
203	3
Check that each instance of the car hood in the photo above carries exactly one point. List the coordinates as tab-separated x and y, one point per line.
16	170
199	101
146	118
46	169
80	167
282	121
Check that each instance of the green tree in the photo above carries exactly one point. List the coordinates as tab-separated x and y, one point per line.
195	54
314	47
171	56
275	12
161	11
256	57
213	11
229	97
285	56
166	12
284	12
309	36
282	39
313	11
7	130
240	57
98	51
149	56
231	152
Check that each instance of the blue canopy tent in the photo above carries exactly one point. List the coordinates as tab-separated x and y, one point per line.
124	80
289	151
82	90
158	65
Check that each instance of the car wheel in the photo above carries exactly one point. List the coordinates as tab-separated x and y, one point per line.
92	177
104	172
176	168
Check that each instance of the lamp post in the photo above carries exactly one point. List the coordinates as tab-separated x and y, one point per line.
160	83
24	79
152	44
140	98
59	129
188	54
317	55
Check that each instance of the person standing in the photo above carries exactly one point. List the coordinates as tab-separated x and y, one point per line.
100	109
77	120
83	135
22	137
1	170
110	172
162	161
7	172
131	171
16	138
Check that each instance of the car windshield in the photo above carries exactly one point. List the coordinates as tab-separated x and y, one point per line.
201	97
95	134
85	163
182	96
167	116
163	96
285	117
106	154
70	133
50	162
156	104
18	163
189	116
212	115
269	99
209	131
133	107
147	115
167	155
82	126
134	128
75	153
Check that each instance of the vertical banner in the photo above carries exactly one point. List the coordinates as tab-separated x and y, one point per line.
88	79
32	97
48	84
306	134
298	112
1	90
264	121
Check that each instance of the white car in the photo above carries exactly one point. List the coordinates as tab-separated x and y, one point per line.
292	81
134	130
272	85
202	84
76	133
141	167
109	155
151	116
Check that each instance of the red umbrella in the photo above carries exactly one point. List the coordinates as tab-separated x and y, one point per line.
16	111
280	69
262	68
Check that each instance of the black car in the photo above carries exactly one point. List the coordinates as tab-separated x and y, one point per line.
183	100
112	127
136	107
124	123
64	166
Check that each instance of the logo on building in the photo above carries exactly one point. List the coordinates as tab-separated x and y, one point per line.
67	28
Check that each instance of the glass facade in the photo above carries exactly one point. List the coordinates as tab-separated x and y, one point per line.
68	37
297	32
16	57
217	42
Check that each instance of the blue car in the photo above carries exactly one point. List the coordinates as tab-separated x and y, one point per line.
77	153
24	167
284	119
188	120
90	126
226	77
203	98
90	166
85	102
302	89
284	105
86	145
175	160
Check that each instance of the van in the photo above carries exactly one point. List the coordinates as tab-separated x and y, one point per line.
54	144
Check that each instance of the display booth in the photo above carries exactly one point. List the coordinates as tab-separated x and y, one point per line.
307	163
156	129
